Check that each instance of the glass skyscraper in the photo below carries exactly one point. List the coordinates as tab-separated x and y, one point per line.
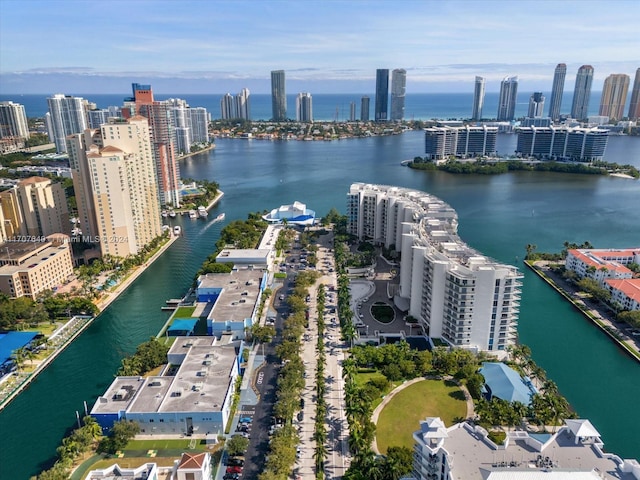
278	96
364	109
478	99
382	95
398	89
507	101
582	92
556	91
536	105
634	106
304	107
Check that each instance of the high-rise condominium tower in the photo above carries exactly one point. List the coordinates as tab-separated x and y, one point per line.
43	206
227	107
243	107
352	112
114	178
304	107
382	95
66	116
614	96
536	105
398	89
507	100
582	92
278	96
634	106
555	102
13	120
163	140
364	109
478	99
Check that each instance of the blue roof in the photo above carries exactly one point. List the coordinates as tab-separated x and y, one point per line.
183	325
505	383
12	341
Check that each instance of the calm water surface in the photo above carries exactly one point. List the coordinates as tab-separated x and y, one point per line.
498	215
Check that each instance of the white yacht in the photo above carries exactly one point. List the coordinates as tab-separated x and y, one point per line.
202	212
177	230
193	214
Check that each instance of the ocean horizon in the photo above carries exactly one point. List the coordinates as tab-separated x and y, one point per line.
326	107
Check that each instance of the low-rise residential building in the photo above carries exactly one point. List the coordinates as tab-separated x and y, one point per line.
609	267
625	293
456	293
465	452
193	394
602	264
30	267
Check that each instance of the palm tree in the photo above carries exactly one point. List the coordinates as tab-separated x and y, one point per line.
92	426
319	455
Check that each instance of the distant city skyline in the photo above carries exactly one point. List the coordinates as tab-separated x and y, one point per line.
194	47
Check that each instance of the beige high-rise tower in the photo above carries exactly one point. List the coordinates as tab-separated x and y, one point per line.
115	171
614	96
44	207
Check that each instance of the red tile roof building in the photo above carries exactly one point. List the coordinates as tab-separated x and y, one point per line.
609	269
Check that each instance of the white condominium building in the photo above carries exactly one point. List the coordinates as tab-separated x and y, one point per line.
442	142
458	294
67	115
13	120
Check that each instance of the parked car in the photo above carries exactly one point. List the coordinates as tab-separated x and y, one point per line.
234	470
235	462
231	476
246	420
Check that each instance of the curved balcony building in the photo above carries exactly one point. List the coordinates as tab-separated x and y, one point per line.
459	295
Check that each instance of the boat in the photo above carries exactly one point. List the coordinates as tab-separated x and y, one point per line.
177	230
164	214
202	212
192	214
219	218
172	213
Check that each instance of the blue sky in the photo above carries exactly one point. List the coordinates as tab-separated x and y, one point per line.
209	46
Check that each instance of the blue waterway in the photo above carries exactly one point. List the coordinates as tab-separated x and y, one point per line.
326	107
495	214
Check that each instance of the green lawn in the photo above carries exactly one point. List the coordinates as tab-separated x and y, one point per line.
164	444
184	312
402	415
